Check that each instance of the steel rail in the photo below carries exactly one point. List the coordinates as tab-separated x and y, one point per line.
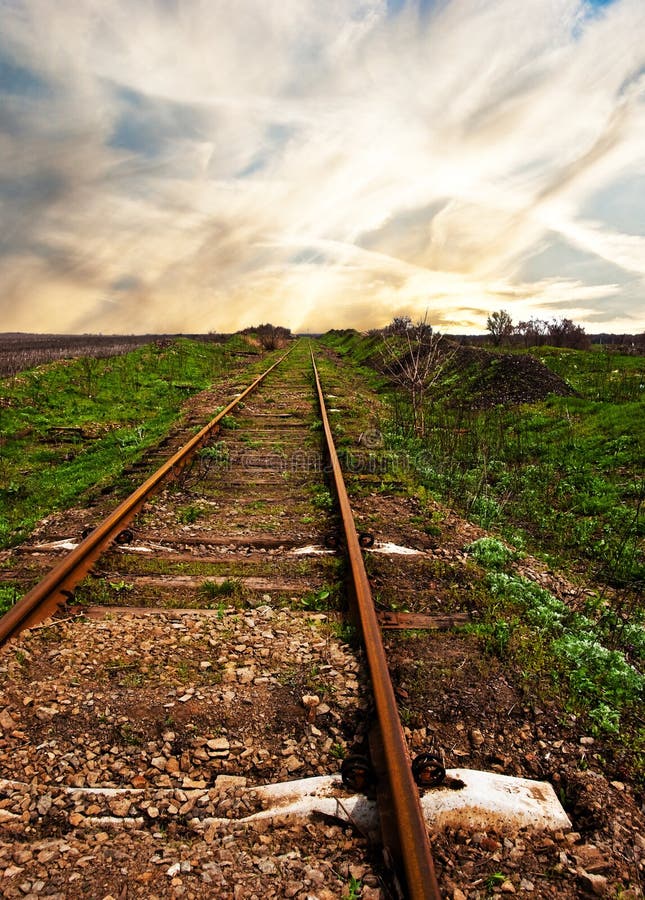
413	854
57	586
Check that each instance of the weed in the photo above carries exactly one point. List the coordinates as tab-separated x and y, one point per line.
217	452
337	751
321	498
495	636
495	879
189	514
8	596
354	889
230	587
184	672
600	679
343	631
128	735
320	601
230	422
120	586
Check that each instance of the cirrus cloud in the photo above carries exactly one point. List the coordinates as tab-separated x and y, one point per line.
187	167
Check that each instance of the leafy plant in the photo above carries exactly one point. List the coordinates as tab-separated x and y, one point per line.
321	498
490	552
318	601
189	514
217	452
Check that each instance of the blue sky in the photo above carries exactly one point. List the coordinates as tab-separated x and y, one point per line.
204	166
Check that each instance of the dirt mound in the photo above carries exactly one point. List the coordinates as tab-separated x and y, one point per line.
492	379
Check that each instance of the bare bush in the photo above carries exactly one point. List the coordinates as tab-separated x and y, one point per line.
414	357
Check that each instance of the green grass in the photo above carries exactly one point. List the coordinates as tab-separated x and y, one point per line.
597	658
230	587
76	424
9	594
563	476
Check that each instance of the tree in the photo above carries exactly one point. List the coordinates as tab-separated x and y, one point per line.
415	358
271	336
398	325
565	333
534	332
500	325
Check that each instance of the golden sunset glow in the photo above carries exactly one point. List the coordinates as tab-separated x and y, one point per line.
205	166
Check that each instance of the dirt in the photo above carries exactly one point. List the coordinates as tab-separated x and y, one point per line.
497	379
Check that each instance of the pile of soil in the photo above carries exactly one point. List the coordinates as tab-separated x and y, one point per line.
493	379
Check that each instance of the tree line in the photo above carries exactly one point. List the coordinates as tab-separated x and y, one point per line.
536	332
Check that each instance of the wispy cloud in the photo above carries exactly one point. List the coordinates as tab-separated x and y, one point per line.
185	167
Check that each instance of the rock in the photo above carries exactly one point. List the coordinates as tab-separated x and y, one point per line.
589	858
458	894
120	806
476	737
507	887
597	884
218	747
267	867
12	871
7	722
44	805
293	764
371	893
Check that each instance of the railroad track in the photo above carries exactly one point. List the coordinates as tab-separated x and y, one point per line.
186	676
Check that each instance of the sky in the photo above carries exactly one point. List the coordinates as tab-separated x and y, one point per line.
185	166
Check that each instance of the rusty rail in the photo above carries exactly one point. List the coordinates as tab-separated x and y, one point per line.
57	586
410	843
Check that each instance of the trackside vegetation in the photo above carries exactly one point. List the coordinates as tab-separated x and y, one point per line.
558	475
562	476
76	424
594	654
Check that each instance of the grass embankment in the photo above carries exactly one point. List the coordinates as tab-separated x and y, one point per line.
563	478
76	424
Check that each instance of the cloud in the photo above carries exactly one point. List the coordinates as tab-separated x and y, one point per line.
186	167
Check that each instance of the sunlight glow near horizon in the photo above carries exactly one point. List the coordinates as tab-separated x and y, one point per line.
196	167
